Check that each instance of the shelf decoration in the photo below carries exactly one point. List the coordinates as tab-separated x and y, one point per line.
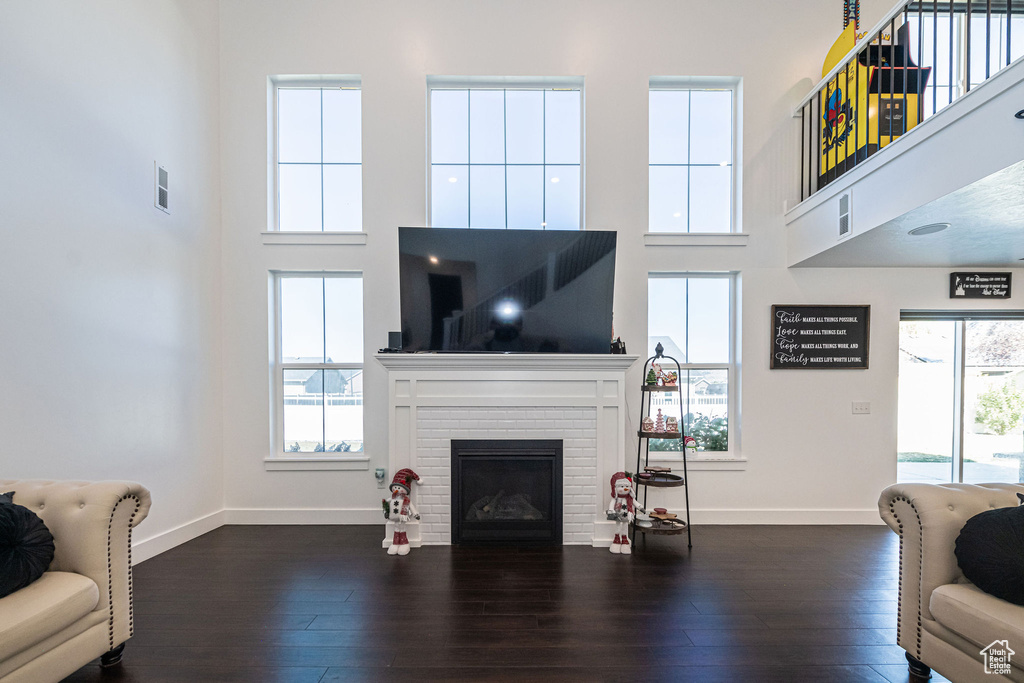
660	427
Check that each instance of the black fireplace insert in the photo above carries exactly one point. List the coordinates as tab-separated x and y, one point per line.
507	492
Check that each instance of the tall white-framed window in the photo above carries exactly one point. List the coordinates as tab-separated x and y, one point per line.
316	150
693	316
506	153
317	364
694	153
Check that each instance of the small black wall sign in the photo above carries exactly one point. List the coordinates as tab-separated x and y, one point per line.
979	285
819	337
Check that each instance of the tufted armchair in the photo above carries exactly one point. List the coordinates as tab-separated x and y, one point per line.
944	621
82	607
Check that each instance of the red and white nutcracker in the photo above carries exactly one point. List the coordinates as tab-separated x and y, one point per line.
621	511
399	509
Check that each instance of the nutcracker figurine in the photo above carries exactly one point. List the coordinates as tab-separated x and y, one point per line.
399	509
621	510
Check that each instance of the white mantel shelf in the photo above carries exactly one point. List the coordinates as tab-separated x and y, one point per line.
505	361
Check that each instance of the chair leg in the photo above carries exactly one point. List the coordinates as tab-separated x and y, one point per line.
113	657
918	670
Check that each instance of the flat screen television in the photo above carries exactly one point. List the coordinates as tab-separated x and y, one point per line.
506	291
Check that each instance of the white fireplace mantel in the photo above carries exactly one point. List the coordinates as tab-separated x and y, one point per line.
577	398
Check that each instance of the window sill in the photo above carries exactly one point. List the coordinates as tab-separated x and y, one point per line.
315	238
360	462
696	239
703	464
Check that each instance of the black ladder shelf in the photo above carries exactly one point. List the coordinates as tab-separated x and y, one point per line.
643	450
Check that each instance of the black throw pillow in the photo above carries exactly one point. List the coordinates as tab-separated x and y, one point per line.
7	497
990	552
26	547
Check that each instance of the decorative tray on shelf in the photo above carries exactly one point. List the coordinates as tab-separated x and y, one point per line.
659	435
655	387
661	479
662	527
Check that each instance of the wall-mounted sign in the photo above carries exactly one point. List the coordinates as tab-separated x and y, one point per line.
819	337
979	285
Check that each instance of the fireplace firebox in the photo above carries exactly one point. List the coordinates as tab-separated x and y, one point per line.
507	492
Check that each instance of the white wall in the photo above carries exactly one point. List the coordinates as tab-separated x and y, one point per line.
109	317
805	451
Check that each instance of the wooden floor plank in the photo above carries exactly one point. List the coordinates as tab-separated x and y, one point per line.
304	604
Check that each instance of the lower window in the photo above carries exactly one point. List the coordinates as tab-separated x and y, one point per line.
692	315
318	373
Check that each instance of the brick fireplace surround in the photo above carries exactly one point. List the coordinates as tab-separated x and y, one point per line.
580	399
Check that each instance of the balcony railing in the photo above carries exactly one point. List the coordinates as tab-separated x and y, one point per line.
920	58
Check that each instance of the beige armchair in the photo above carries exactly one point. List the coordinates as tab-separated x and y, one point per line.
82	607
945	622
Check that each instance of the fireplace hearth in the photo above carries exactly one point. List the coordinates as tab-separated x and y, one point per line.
507	491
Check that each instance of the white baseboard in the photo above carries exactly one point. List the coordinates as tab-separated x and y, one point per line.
304	516
603	532
151	547
777	516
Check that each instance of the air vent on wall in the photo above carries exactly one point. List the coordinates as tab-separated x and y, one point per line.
160	180
844	215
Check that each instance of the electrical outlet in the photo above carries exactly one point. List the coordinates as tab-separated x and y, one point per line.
380	476
861	407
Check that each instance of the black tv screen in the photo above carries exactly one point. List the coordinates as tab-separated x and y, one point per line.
506	291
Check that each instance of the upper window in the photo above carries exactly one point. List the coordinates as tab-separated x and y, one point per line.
693	157
319	363
692	315
318	157
506	158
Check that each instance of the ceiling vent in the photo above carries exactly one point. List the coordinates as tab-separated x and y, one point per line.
844	215
160	178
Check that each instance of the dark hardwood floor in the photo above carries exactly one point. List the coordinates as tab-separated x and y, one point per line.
322	603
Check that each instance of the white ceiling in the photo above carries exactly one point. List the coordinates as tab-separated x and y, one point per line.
986	229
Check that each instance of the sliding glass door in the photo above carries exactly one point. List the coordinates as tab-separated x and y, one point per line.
961	397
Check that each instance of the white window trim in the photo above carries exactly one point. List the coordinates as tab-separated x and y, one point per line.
510	83
274	84
279	458
735	84
731	459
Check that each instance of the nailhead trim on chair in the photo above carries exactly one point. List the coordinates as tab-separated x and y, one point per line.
899	598
110	569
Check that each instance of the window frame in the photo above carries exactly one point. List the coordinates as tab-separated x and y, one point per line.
280	459
275	84
506	83
733	84
960	319
733	453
